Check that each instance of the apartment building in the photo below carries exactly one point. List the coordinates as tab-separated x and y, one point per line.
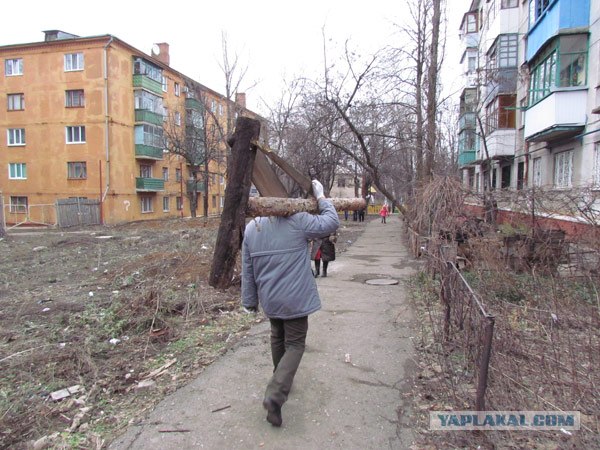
529	108
95	118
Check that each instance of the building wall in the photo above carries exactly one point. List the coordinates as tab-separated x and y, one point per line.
109	150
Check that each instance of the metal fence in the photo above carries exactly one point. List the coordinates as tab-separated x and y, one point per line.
72	212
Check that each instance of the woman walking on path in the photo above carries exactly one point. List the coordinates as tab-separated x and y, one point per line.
323	249
384	212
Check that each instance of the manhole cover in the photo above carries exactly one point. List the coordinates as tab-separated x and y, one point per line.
382	282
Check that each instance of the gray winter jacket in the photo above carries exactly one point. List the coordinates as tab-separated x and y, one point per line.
276	265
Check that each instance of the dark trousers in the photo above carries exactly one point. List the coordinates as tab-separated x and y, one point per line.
288	339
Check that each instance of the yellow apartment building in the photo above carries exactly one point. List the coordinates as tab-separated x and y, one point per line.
94	118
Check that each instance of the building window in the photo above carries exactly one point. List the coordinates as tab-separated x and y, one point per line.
151	135
221	179
13	67
214	201
165	114
177	89
213	106
15	136
507	50
146	204
73	61
564	64
74	98
505	4
471	22
77	170
145	171
501	113
472	63
563	169
520	175
15	102
17	171
221	201
220	109
165	171
18	205
178	175
177	118
341	182
537	171
148	101
143	67
536	9
179	203
165	84
166	204
76	134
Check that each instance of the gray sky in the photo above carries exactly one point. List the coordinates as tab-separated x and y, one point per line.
273	38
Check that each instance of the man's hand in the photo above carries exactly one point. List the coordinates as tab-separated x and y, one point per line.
317	189
250	309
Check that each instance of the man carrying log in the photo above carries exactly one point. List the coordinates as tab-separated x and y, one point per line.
276	273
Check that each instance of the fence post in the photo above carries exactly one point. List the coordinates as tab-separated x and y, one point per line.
2	218
484	363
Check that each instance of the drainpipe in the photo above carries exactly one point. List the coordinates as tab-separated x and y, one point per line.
106	117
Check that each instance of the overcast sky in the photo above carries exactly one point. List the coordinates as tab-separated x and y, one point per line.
273	38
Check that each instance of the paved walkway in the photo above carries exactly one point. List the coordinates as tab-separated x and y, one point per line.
352	385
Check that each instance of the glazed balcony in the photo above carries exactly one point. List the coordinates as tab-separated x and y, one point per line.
192	103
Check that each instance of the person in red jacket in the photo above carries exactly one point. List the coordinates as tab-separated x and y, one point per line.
384	212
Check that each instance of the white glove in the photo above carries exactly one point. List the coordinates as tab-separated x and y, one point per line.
317	189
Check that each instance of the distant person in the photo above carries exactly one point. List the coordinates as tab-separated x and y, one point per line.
345	214
323	249
384	212
354	216
276	274
361	215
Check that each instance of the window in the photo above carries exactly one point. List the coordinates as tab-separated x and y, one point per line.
151	135
536	9
507	50
214	201
146	204
15	136
73	61
472	63
213	106
165	84
467	141
76	135
341	182
520	175
177	89
501	113
148	101
17	171
564	64
77	170
177	118
145	171
18	205
505	174
178	175
74	98
15	102
165	171
179	203
505	4
537	171
221	179
221	201
220	109
471	19
165	113
13	67
563	169
165	204
143	67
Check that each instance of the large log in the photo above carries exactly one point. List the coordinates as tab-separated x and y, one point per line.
233	218
283	207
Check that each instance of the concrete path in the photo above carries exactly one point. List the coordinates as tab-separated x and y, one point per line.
352	388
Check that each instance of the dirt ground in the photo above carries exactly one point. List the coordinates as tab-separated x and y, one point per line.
98	324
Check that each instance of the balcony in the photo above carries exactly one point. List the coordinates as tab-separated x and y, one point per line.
143	151
190	186
499	143
192	103
560	115
142	81
149	184
143	115
561	15
465	158
467	120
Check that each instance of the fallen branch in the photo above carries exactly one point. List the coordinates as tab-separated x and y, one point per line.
220	409
175	431
283	207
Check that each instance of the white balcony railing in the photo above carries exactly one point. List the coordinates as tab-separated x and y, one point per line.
565	108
